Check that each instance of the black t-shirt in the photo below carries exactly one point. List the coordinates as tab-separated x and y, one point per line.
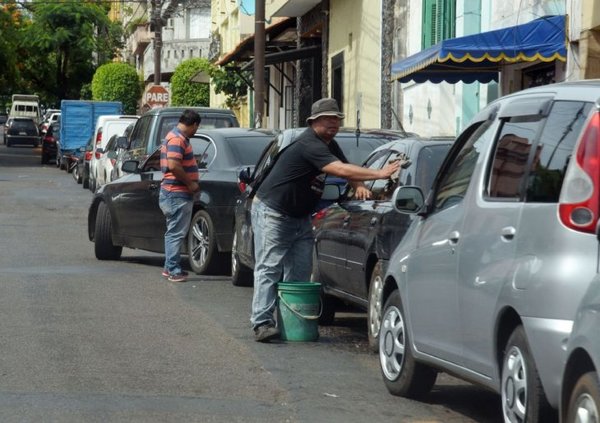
295	184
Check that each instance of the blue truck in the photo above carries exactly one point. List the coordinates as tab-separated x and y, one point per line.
77	123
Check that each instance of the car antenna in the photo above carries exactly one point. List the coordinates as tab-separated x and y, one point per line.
399	122
357	132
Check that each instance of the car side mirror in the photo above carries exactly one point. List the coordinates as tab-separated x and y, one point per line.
131	166
331	192
122	142
408	199
245	175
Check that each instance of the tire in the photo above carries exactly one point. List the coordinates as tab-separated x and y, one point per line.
585	399
203	255
375	307
328	303
403	376
92	184
76	174
240	275
103	245
523	397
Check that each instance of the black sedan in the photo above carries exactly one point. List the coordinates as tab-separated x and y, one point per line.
125	212
354	239
356	147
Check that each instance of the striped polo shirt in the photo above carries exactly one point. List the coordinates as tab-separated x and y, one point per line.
176	146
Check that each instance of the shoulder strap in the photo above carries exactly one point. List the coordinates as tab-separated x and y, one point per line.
259	180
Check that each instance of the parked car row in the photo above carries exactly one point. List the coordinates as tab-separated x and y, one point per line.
480	258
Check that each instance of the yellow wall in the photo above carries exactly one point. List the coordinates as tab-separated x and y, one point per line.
590	14
355	29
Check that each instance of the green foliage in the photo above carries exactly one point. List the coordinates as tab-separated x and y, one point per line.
186	93
11	20
227	80
62	48
117	82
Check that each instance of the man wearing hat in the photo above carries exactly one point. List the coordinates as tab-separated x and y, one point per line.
284	202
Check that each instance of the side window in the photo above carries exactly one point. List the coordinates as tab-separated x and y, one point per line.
166	124
374	162
383	189
204	150
554	149
152	164
455	179
510	156
139	132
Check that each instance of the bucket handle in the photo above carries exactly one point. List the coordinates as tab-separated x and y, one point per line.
299	314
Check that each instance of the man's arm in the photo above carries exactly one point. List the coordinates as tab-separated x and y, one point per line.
181	175
358	173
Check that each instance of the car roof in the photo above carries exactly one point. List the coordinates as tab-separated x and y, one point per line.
236	132
417	142
179	110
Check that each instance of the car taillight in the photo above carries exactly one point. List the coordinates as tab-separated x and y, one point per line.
88	156
99	137
49	139
98	155
242	186
319	215
579	199
113	161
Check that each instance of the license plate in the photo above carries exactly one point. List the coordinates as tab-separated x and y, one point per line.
22	133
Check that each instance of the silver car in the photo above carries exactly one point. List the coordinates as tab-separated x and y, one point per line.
486	282
580	394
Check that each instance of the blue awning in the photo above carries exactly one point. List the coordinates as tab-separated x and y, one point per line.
477	57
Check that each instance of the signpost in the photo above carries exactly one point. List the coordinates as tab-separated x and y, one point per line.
156	96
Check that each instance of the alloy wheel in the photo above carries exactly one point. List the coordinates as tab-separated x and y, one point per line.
200	241
514	386
392	343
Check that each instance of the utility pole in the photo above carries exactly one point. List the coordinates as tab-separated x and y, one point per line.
259	62
157	23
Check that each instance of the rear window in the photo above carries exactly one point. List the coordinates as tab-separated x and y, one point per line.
23	125
554	149
357	151
247	150
209	122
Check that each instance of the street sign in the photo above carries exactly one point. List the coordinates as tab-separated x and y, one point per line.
156	96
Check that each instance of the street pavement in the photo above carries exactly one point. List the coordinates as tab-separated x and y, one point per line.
84	340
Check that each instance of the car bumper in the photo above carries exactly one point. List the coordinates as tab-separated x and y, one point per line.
547	341
22	139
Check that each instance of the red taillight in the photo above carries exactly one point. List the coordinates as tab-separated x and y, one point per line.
49	139
88	156
113	161
99	137
579	200
98	155
242	186
319	215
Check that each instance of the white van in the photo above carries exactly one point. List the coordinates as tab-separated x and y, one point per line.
25	105
106	127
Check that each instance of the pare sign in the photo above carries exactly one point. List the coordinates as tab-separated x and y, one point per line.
156	96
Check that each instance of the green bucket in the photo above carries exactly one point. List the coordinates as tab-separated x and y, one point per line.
299	310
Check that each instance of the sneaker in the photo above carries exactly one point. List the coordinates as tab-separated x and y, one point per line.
266	333
166	274
180	277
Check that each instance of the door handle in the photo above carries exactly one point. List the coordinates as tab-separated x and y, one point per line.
454	237
373	221
508	233
153	187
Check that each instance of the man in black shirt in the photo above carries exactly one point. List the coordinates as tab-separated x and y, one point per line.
283	204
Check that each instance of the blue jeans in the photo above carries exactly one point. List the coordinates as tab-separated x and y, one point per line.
283	248
177	208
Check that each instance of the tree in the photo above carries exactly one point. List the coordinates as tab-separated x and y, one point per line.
70	39
11	20
117	82
186	93
231	82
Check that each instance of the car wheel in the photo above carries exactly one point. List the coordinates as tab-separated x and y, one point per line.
374	312
92	184
76	174
328	303
57	160
103	245
402	375
240	275
523	398
203	255
585	400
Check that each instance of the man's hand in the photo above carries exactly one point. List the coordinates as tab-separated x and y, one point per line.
362	193
389	169
194	187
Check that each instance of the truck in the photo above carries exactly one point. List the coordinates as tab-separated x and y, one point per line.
77	124
25	105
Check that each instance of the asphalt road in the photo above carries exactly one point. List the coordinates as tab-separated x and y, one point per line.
88	341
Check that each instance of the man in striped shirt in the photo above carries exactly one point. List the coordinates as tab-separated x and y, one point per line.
180	182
